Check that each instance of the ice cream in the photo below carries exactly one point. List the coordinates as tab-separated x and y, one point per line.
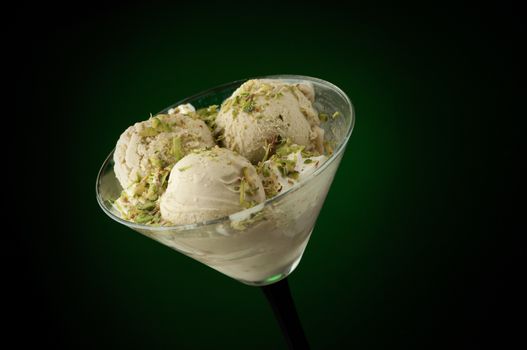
264	112
287	167
157	142
146	153
210	184
173	173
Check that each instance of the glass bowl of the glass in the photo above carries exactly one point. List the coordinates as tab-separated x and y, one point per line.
263	244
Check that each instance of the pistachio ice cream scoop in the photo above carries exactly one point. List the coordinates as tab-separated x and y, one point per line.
158	142
210	184
264	111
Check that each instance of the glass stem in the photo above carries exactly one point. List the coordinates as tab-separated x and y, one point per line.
279	297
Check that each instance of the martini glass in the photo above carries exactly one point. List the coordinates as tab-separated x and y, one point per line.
262	245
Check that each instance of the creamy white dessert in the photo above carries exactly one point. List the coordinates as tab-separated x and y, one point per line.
210	184
160	140
189	166
263	112
146	152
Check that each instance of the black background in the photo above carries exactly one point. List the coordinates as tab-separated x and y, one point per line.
416	246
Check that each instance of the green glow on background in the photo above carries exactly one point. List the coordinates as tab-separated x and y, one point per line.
274	278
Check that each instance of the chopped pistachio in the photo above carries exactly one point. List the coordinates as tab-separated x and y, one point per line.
148	205
147	132
184	168
288	148
308	161
143	218
139	188
282	170
152	192
164	177
208	115
249	105
307	154
160	124
245	172
336	115
177	150
323	117
293	175
155	161
267	151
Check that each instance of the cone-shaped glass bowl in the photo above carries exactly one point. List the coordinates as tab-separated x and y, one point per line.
263	244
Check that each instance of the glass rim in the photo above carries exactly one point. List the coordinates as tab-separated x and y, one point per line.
260	206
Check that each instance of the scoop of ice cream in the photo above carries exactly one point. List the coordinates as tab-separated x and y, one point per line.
158	142
289	166
210	184
262	112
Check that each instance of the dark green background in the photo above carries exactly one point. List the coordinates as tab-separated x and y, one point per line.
407	251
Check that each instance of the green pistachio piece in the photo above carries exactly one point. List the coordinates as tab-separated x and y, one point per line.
177	150
184	168
294	175
152	193
245	173
143	218
323	117
139	188
156	162
159	124
208	115
249	105
282	169
148	132
148	205
267	151
164	177
308	161
336	115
